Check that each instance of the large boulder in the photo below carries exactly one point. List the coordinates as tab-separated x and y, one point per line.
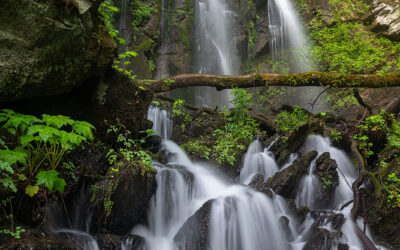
49	47
384	18
194	233
129	195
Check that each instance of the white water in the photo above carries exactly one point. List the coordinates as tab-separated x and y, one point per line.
346	171
240	218
287	35
215	50
257	161
162	122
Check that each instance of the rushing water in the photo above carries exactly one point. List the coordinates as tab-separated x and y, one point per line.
215	49
162	122
241	218
287	35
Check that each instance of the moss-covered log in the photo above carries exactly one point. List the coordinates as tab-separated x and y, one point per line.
313	78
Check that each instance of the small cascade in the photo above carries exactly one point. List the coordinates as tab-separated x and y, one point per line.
287	35
162	122
84	240
346	171
257	161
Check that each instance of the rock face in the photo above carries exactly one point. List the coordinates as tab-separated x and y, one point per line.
285	181
326	170
49	47
320	238
384	18
194	233
130	201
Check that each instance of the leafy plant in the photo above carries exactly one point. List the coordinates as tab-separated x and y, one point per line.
287	121
392	188
336	136
38	144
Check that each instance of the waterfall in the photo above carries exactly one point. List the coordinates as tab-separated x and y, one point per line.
287	35
215	49
162	122
257	161
346	171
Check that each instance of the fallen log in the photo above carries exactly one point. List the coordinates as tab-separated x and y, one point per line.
313	78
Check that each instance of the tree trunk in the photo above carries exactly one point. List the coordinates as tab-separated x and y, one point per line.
312	78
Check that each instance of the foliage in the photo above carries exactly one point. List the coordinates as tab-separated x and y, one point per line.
37	145
341	44
225	145
107	10
128	150
140	11
179	112
392	188
287	121
335	135
326	182
15	234
382	125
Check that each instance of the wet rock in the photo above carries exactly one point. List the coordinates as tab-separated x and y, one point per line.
32	241
290	143
322	238
258	183
285	181
326	217
194	233
153	143
326	170
284	223
49	47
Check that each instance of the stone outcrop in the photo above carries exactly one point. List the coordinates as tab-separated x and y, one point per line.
194	233
285	181
384	18
49	47
326	170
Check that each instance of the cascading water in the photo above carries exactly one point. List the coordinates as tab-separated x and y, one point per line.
346	171
287	35
214	48
240	217
162	122
257	161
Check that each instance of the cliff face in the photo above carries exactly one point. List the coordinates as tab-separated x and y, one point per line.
49	47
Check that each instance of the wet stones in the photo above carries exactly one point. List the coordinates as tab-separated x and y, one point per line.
285	181
194	233
326	170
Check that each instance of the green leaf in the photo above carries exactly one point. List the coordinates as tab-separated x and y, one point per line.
44	133
12	157
83	128
57	121
51	180
31	190
9	184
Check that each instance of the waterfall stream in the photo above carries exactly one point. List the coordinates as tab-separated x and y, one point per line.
215	50
240	217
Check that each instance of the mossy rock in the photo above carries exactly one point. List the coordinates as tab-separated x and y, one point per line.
48	48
